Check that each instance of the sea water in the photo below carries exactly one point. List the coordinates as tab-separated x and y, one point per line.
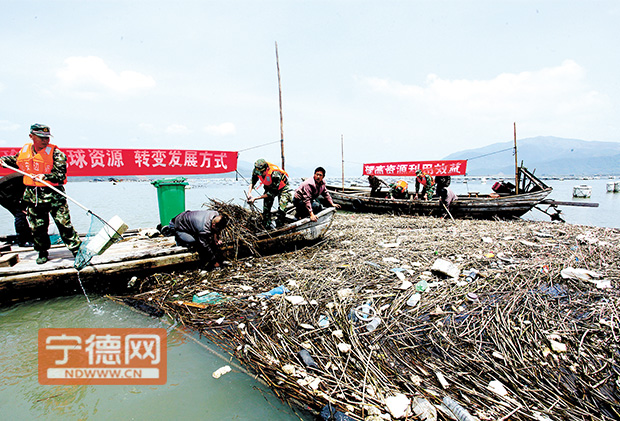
190	391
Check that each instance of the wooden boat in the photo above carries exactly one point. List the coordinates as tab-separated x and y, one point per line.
531	192
136	254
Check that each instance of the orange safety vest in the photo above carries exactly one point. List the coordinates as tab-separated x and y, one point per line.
422	179
267	179
401	186
39	163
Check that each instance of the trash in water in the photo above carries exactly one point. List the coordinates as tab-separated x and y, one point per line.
296	299
459	412
307	360
414	299
398	405
374	322
472	297
497	387
363	313
274	291
206	297
342	347
221	371
329	413
424	410
446	268
323	321
471	275
421	286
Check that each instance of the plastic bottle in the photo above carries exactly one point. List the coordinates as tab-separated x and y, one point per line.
274	291
471	275
421	285
414	300
374	322
459	412
329	413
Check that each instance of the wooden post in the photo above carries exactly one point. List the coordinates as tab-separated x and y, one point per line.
342	155
516	165
280	98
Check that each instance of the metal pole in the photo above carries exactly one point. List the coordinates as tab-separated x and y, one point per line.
280	98
516	165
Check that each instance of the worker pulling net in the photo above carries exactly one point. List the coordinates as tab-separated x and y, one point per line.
101	235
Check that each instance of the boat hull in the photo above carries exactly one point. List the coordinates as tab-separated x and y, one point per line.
482	207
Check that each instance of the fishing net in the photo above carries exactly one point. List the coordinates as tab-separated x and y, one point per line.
101	235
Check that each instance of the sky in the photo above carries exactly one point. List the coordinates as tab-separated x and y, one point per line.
370	81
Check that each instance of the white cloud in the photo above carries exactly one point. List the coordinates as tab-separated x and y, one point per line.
553	93
223	129
7	126
149	128
90	77
178	129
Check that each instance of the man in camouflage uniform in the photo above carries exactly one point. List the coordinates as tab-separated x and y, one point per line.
275	183
42	201
428	185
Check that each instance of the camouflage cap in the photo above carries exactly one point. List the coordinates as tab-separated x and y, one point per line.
40	130
261	164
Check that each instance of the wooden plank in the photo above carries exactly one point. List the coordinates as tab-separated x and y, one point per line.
9	259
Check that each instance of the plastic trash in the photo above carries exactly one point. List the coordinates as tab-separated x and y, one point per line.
424	410
421	286
274	291
471	275
206	297
414	299
306	359
459	412
323	321
398	405
472	297
374	322
329	413
445	267
363	313
221	371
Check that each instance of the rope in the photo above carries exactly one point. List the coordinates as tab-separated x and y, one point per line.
258	146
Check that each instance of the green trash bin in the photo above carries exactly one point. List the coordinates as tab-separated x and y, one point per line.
170	197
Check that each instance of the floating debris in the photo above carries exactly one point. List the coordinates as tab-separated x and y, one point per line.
550	342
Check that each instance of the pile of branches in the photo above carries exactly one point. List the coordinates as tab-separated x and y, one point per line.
519	341
242	227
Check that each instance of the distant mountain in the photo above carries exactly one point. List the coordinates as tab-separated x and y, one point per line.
552	156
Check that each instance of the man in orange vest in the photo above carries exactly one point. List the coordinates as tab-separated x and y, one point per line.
428	185
45	162
275	183
399	190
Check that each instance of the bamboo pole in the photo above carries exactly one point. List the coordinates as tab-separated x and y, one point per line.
280	99
516	165
342	155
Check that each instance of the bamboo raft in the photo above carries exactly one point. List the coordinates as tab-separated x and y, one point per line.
518	342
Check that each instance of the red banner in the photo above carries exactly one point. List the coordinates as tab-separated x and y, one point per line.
432	168
89	162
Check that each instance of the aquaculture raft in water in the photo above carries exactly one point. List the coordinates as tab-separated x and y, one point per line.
518	341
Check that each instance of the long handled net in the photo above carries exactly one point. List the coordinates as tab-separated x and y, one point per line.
101	234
